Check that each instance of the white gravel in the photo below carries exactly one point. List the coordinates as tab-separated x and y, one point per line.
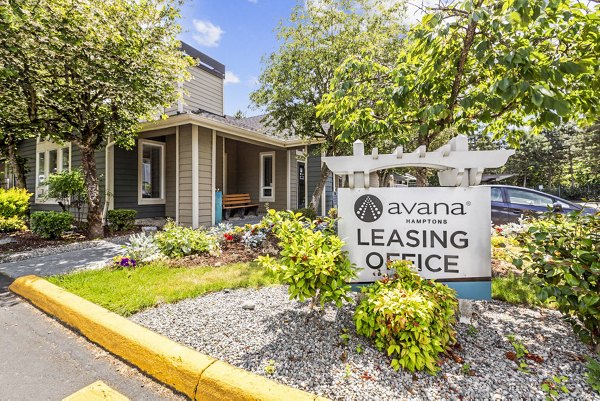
309	353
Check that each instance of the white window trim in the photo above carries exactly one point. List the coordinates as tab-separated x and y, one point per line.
262	198
46	146
151	201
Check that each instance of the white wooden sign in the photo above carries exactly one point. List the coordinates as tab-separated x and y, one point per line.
444	231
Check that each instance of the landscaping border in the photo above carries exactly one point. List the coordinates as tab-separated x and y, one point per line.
196	375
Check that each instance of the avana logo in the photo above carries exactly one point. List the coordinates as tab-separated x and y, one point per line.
368	208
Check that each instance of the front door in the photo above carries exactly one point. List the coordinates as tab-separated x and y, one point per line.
301	185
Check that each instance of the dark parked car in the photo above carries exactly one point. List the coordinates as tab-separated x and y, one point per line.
510	203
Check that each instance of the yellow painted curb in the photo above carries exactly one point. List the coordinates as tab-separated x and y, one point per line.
196	375
97	391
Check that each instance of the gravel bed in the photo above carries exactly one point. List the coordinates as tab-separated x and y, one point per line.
309	354
54	250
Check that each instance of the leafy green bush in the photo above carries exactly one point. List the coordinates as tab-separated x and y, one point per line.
593	374
14	202
564	256
142	248
51	225
307	212
176	241
10	224
312	261
68	188
121	219
410	318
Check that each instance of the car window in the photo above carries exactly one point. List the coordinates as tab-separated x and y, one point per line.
497	195
521	197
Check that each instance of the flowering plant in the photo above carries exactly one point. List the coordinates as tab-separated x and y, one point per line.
124	261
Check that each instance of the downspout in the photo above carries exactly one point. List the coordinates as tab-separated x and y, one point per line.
107	178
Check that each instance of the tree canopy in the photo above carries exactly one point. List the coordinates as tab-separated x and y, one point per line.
86	71
499	66
316	39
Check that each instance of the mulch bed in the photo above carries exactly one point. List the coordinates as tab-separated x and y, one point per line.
231	253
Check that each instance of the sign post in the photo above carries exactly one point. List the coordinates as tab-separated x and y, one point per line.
444	231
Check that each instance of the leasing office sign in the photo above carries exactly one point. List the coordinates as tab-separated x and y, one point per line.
444	231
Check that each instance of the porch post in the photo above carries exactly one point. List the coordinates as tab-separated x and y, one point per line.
177	174
195	155
213	178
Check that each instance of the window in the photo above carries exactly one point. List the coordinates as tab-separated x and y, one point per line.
521	197
267	177
51	158
497	194
151	172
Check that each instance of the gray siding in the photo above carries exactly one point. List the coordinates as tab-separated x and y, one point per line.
185	175
126	183
203	91
293	179
27	150
313	170
170	176
205	176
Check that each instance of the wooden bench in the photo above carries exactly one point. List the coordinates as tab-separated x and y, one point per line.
241	202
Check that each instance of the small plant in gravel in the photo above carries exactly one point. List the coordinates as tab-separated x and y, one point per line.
344	337
347	371
176	241
564	266
270	368
466	370
518	356
410	318
472	330
593	374
359	349
312	262
142	248
552	386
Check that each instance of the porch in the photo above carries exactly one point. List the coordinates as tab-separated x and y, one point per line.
174	171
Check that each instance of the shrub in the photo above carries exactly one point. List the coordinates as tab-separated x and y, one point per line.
142	248
410	318
10	224
14	202
307	212
312	262
176	241
564	256
121	219
51	225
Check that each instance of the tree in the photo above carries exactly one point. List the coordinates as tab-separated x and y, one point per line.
90	71
313	43
500	66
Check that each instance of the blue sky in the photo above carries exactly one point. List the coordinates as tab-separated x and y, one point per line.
236	33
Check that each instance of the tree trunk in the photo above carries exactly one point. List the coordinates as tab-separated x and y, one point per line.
94	215
314	200
421	176
17	168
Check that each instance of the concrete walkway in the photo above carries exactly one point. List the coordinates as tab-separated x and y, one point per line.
49	265
42	360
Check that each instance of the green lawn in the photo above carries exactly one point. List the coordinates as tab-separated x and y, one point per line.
514	290
127	291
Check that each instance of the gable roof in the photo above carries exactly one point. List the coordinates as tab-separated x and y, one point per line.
257	124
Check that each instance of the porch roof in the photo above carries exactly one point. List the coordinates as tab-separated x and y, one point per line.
250	128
